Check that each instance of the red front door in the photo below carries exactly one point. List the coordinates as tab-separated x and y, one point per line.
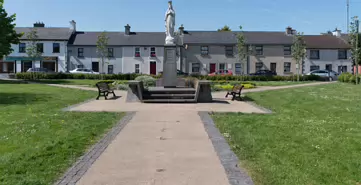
212	68
153	68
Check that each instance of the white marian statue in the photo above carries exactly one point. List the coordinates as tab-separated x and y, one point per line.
169	25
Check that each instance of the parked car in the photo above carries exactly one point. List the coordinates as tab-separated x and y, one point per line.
324	73
264	73
222	73
83	71
39	70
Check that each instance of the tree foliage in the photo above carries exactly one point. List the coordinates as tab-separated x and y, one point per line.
298	50
354	40
32	49
8	34
241	48
225	28
102	48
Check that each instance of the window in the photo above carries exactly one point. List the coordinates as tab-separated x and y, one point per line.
313	68
342	54
152	52
229	50
95	66
238	67
137	68
314	54
259	50
329	67
287	67
196	67
110	52
56	48
259	66
342	69
222	66
80	52
110	69
137	52
287	50
204	50
40	47
22	48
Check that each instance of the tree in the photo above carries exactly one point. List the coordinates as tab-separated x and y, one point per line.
102	49
242	48
354	40
8	34
298	51
225	28
32	49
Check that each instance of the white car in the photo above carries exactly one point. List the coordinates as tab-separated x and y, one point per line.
324	73
83	71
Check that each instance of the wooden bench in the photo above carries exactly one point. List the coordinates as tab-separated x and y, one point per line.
236	90
104	90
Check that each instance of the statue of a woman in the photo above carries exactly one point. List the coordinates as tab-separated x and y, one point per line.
169	24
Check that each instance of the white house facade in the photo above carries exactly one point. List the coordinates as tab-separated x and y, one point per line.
51	43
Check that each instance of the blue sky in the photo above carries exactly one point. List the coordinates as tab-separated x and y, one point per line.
308	16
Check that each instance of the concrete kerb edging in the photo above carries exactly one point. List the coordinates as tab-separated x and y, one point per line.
74	174
236	176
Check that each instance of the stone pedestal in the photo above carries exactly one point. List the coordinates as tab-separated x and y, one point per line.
170	66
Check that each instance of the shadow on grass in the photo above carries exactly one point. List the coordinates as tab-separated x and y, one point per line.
22	98
12	82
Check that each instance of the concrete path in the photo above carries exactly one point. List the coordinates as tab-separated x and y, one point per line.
163	144
168	149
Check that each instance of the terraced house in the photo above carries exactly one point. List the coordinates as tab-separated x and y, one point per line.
51	43
200	52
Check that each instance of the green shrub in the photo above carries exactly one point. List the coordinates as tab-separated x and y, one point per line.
229	87
148	81
124	87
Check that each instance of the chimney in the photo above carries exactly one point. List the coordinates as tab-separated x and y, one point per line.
181	29
336	33
127	29
289	30
73	25
39	25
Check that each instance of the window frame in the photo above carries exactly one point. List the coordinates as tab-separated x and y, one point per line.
287	50
22	47
204	50
258	49
54	50
137	53
80	52
344	51
110	52
229	52
287	65
318	54
153	53
40	47
257	66
137	68
198	65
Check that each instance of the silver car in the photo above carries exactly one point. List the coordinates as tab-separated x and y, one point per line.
324	73
83	71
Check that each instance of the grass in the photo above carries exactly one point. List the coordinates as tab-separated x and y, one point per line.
313	138
278	83
38	141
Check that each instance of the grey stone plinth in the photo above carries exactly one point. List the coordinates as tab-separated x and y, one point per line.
204	91
180	82
170	66
135	91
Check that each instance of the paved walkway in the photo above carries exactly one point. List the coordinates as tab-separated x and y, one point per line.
163	144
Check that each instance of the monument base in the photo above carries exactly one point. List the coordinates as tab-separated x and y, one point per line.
170	66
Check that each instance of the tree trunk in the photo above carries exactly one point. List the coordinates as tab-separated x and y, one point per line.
298	71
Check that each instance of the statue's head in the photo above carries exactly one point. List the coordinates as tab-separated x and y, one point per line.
170	4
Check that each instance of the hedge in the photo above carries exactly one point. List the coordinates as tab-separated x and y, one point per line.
348	78
36	76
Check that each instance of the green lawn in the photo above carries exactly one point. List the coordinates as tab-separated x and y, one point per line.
313	138
38	141
278	83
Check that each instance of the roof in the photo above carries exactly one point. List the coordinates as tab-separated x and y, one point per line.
47	33
325	42
119	38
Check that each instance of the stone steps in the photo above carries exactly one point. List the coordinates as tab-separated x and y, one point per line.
169	95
